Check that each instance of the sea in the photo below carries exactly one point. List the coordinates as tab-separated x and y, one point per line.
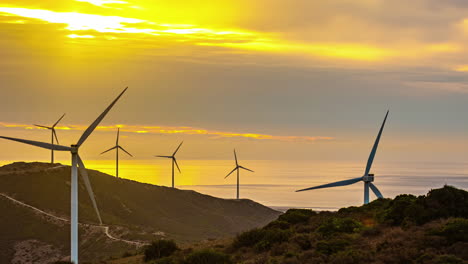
274	182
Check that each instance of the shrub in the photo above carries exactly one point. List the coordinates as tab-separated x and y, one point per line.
159	249
165	260
448	259
329	247
249	238
454	230
261	239
278	224
339	225
398	209
295	216
302	241
351	256
207	257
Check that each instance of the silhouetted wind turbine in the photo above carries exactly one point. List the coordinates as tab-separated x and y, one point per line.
76	162
237	168
54	134
174	161
367	178
117	147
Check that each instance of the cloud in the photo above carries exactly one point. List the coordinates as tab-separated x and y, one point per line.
142	129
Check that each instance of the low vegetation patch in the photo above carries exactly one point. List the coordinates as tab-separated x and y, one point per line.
428	229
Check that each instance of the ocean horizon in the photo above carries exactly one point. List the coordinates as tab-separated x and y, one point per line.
274	182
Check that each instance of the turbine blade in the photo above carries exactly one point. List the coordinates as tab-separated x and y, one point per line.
55	135
245	168
375	190
43	126
177	165
235	157
84	175
374	148
125	151
334	184
231	172
91	128
108	150
118	133
39	144
169	157
177	149
58	120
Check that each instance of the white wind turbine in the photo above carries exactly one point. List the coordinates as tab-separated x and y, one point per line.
117	147
76	162
237	168
367	178
174	161
54	134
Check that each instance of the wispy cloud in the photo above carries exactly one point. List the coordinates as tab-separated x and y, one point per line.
102	3
142	129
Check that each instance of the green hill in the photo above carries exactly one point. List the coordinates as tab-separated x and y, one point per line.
133	210
429	229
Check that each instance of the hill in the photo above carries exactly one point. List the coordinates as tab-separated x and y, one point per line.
429	229
132	210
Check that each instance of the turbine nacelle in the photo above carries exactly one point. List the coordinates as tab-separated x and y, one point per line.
368	178
74	149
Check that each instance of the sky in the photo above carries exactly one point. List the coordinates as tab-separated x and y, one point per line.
277	80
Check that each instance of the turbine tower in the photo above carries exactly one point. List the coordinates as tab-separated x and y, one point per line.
237	168
54	134
117	147
77	163
367	178
174	161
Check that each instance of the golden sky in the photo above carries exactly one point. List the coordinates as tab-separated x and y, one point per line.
301	77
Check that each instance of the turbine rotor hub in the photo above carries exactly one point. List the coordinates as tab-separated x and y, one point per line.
368	178
74	149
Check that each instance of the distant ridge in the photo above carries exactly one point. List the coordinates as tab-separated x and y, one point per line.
134	211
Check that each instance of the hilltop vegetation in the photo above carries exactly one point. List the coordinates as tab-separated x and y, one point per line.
429	229
133	210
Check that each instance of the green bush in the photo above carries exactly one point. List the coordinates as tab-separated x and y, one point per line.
439	203
454	230
399	209
249	238
448	259
351	256
261	239
339	225
302	241
295	216
278	224
329	247
207	257
159	249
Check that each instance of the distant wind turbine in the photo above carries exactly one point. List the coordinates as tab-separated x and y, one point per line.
54	134
237	168
117	147
367	178
174	161
76	162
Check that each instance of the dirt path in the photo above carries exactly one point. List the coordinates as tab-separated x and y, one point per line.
104	228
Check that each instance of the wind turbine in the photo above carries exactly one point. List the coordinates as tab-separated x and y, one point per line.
367	178
76	162
54	134
117	147
237	168
174	161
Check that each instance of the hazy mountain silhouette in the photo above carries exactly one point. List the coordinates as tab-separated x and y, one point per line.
132	210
